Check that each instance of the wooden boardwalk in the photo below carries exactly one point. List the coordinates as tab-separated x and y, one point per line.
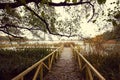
66	67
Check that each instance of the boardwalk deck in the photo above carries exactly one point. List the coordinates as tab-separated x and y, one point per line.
65	68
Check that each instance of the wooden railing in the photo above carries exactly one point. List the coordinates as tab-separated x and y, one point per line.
39	66
84	64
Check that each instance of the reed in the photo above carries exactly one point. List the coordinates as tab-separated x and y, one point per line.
107	64
12	62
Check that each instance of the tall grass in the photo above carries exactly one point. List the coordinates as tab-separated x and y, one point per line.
12	62
107	64
67	44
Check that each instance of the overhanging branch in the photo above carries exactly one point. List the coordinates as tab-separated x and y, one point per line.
46	24
18	4
13	35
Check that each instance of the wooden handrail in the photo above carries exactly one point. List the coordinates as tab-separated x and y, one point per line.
39	64
87	65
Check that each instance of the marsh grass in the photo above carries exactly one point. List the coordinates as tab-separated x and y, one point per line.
12	62
27	45
107	64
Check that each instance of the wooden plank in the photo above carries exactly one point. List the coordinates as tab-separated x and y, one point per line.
45	65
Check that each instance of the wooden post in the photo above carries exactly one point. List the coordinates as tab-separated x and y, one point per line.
56	55
49	60
87	77
36	73
89	73
22	78
41	73
79	62
75	55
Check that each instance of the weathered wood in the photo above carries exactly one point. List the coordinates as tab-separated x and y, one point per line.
79	63
36	73
45	65
22	78
51	61
41	72
89	73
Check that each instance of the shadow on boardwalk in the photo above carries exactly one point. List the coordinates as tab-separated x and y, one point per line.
65	69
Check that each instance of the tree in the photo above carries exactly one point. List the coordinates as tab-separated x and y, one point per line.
114	18
39	15
108	35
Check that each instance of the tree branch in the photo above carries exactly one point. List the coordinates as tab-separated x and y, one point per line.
93	12
18	4
13	35
20	27
46	24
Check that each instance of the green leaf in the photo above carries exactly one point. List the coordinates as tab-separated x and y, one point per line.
94	21
74	1
61	29
67	0
50	0
101	1
102	12
8	9
117	16
44	1
23	1
87	15
42	14
114	23
4	20
109	20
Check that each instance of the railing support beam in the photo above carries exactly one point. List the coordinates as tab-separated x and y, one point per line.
37	71
89	73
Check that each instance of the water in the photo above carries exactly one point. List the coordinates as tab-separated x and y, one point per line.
34	42
39	42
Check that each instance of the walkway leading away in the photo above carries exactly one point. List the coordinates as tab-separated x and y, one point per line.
65	68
